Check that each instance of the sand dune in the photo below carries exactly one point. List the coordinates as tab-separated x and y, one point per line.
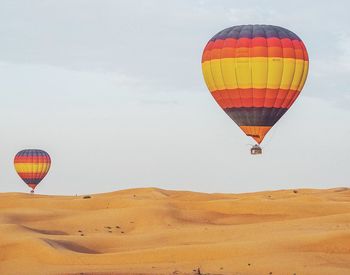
154	231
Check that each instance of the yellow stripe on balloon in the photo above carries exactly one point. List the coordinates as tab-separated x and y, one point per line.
255	72
303	79
208	77
216	72
243	72
260	71
228	73
32	167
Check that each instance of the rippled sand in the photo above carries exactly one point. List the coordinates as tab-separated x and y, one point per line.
154	231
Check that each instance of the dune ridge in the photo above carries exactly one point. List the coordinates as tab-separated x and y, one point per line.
155	231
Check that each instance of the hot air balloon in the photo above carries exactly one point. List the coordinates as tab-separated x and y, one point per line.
255	73
32	165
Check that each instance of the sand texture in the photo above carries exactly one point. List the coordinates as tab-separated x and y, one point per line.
154	231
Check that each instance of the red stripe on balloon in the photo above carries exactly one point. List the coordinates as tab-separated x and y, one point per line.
32	175
237	98
246	47
32	159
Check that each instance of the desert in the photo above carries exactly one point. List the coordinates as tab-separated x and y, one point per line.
155	231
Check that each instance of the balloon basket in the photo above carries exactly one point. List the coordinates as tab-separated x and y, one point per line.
256	150
31	191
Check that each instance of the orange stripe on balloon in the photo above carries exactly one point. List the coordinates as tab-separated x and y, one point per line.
32	185
256	132
254	52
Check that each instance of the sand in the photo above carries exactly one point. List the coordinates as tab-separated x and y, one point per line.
154	231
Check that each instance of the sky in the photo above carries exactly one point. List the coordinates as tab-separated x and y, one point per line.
113	91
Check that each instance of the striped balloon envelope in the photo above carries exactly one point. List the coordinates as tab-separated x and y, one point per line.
255	73
32	165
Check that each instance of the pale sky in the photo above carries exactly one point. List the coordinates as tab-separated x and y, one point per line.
113	91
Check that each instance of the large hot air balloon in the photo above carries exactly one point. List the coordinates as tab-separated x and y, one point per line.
255	73
32	166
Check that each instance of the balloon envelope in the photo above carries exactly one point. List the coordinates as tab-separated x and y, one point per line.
255	73
32	165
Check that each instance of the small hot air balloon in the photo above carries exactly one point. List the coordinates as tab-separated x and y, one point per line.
32	165
255	73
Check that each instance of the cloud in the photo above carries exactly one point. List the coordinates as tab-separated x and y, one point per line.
252	15
329	71
114	91
344	51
